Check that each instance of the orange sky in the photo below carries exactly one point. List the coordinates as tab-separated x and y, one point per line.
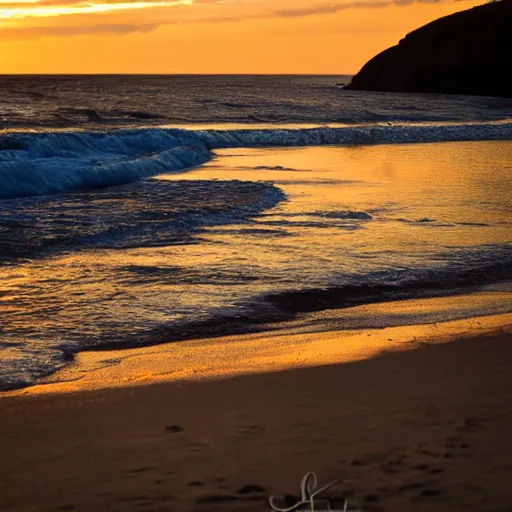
205	36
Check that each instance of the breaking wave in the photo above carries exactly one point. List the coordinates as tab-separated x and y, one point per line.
46	163
151	213
34	164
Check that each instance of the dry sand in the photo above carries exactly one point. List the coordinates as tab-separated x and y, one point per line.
426	425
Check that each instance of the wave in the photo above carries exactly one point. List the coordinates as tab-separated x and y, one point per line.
152	213
471	269
358	135
45	163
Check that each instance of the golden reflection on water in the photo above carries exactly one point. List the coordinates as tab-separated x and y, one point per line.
423	201
422	197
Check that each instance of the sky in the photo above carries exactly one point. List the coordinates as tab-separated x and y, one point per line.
206	36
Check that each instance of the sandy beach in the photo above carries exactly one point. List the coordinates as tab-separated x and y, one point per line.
255	256
394	380
410	423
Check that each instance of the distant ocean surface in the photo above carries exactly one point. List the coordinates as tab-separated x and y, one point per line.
142	209
135	101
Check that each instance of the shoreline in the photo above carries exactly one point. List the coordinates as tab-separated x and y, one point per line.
288	308
316	342
339	203
264	299
421	425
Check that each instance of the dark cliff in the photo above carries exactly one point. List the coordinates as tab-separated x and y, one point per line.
469	52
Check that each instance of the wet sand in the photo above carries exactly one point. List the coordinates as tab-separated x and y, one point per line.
407	424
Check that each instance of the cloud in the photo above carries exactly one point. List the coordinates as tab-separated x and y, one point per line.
41	4
329	8
326	8
336	7
182	16
299	12
19	10
319	9
66	31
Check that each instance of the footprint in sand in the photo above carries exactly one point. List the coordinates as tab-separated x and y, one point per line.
470	425
366	459
141	470
198	447
174	429
410	486
427	494
251	489
195	483
250	429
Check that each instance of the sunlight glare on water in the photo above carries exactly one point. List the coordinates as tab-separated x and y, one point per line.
357	216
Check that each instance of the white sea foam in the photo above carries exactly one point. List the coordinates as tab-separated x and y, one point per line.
45	163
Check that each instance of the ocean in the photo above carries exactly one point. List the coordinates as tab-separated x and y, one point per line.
137	210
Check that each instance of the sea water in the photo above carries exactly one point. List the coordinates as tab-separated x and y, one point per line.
170	208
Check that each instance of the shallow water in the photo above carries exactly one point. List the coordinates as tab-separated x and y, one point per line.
253	237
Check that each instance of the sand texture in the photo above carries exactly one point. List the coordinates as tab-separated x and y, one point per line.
422	429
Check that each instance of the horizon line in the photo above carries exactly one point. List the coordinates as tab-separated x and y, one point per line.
176	74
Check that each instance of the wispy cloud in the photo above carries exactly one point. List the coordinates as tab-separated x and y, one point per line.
331	8
53	8
66	31
30	4
163	12
312	10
